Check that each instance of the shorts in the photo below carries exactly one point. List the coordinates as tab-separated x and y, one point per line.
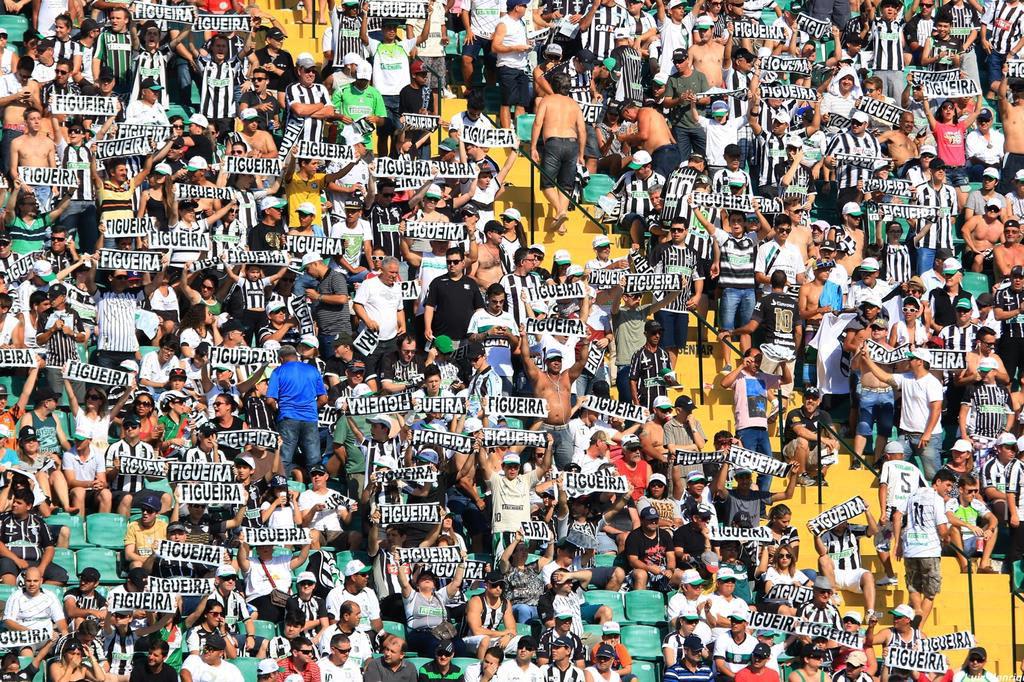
558	160
924	575
600	575
52	574
675	328
789	452
591	150
515	86
476	47
473	641
849	578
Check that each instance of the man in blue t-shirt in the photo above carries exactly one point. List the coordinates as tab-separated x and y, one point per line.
296	390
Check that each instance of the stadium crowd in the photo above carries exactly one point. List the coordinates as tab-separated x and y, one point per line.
296	388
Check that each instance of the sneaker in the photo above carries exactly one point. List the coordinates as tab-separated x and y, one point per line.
871	613
887	580
805	481
447	93
726	369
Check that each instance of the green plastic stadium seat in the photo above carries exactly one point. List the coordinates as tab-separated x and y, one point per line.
16	26
103	560
604	560
397	629
72	522
524	128
976	283
642	641
592	629
644	671
645	606
6	591
598	185
106	530
56	591
464	662
418	661
1018	575
65	558
525	629
247	666
610	599
264	628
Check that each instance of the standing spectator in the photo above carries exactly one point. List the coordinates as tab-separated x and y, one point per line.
295	390
926	529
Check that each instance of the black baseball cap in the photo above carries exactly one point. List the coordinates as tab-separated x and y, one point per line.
684	402
26	434
761	651
652	326
475	350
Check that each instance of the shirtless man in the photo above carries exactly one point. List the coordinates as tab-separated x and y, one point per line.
487	270
652	435
17	92
259	141
984	347
847	257
809	301
801	237
1010	252
707	54
902	146
981	234
34	149
1012	116
554	386
653	135
560	121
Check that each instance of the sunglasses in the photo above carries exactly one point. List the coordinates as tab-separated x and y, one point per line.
260	78
454	262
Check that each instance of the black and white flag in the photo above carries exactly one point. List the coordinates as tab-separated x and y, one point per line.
46	176
190	191
222	23
403	514
912	659
325	151
400	9
964	639
886	111
241	355
303	243
430	556
183	587
417	474
613	408
261	438
207	555
762	534
120	601
490	137
256	537
250	165
554	292
19	357
210	472
117	228
891	186
424	122
959	87
559	326
83	105
493	438
183	240
141	261
816	28
755	30
398	403
945	359
440	404
755	461
435	231
516	406
141	466
536	530
155	11
578	484
441	439
207	493
692	458
94	374
119	147
795	92
830	518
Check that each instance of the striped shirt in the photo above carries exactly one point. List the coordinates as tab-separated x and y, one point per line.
959	338
67	50
828	615
60	348
988	405
514	286
635	193
1006	26
645	369
344	35
599	38
896	267
312	129
888	39
842	549
677	260
993	474
130	483
849	175
736	261
152	65
1009	299
384	228
940	232
375	449
1015	482
115	318
78	159
772	162
217	94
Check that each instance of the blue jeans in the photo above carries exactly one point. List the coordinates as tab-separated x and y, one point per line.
929	456
876	410
297	434
79	219
995	63
925	260
756	439
737	308
622	383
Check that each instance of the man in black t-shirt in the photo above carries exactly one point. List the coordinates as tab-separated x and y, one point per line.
649	551
451	300
802	437
415	98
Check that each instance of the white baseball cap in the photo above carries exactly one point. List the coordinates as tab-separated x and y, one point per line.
364	71
197	163
962	445
869	264
601	241
640	158
312	257
512	214
306	207
903	611
952	265
987	365
355	566
199	120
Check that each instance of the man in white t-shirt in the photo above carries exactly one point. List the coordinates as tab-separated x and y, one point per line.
379	306
338	665
355	588
898	480
210	666
925	532
922	406
777	254
317	513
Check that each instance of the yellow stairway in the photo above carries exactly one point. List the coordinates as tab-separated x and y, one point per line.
952	610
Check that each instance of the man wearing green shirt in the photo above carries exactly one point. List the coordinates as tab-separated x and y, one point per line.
114	49
682	89
359	100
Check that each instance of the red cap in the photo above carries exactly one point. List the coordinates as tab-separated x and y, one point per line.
418	67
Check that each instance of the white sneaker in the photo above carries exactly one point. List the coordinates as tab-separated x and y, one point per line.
883	582
447	93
